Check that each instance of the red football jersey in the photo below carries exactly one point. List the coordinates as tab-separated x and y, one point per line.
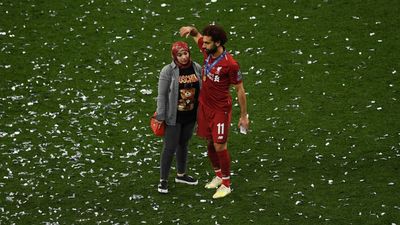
215	91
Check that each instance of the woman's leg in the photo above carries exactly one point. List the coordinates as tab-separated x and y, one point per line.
171	142
182	152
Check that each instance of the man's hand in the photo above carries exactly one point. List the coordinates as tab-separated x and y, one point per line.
190	31
244	122
185	31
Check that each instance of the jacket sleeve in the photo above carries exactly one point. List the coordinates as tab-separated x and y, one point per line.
197	70
162	97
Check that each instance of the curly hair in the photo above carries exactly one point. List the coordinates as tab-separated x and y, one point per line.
216	32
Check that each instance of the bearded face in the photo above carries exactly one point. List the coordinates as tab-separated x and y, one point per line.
209	45
212	50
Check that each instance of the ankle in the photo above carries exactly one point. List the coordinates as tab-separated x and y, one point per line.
226	182
218	173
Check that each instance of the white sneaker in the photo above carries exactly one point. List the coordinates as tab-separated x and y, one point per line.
215	183
222	191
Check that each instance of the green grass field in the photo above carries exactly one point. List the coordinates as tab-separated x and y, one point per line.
78	82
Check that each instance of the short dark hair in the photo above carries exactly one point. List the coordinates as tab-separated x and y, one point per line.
216	32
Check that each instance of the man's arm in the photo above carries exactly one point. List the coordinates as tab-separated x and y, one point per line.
192	31
241	95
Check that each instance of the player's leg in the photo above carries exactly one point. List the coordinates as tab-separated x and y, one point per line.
224	161
220	137
204	125
213	156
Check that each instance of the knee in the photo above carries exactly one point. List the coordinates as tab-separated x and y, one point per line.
219	147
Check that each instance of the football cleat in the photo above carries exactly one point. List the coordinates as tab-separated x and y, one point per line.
215	183
222	191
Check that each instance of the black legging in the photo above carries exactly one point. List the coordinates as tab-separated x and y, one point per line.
176	140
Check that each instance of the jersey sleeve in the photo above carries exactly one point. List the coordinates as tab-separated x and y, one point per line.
234	74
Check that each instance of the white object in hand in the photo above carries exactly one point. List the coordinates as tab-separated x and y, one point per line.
243	130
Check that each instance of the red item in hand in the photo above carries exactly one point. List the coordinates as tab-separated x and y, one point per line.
157	128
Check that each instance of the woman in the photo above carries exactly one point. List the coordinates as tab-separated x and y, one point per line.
177	101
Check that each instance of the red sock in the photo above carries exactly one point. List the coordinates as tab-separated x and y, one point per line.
212	155
226	181
218	173
225	163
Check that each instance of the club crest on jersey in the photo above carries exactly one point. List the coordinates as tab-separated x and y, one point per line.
213	77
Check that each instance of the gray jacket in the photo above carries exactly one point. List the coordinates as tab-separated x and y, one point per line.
168	91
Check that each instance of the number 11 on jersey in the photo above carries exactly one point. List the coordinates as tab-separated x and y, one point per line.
220	127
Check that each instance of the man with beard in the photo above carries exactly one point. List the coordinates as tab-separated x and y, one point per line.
219	72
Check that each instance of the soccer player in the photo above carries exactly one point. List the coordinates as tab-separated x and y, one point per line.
219	72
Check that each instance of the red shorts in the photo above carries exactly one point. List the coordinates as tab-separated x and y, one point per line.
213	125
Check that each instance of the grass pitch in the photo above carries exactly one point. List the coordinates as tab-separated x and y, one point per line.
78	85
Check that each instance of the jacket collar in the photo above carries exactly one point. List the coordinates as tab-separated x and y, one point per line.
173	65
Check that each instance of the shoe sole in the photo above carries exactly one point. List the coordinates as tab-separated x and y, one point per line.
185	182
163	191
